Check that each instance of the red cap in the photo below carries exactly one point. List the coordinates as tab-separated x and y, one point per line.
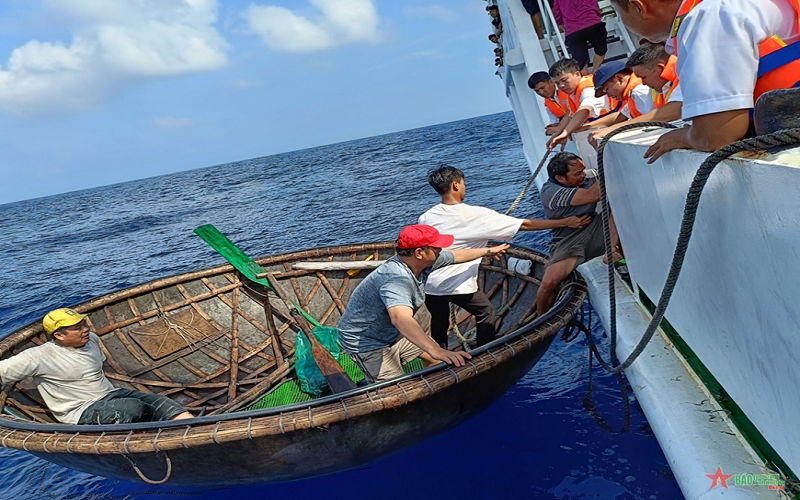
421	235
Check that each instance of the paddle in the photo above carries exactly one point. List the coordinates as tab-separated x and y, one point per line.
332	371
241	261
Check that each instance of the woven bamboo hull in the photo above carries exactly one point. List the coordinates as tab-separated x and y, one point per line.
325	435
309	452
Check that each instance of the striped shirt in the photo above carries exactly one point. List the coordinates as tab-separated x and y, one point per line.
557	199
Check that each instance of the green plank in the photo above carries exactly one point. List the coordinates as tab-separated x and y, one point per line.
241	261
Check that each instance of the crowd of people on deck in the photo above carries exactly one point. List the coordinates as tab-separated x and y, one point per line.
705	61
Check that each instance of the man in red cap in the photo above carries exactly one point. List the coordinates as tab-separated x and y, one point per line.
378	328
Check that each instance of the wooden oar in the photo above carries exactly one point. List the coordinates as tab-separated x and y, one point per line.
337	379
332	371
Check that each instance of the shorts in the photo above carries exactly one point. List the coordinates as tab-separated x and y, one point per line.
578	43
123	406
585	244
387	363
531	6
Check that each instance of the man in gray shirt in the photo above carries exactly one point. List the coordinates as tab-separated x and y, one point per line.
569	192
378	328
68	372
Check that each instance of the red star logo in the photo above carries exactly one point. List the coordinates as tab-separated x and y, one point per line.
719	478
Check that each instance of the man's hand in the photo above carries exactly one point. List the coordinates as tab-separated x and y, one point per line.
450	357
550	129
560	139
674	139
577	222
596	137
499	249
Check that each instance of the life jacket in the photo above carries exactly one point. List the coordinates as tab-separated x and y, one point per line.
779	63
574	99
627	96
670	74
559	105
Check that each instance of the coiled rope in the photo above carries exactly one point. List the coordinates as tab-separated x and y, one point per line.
780	138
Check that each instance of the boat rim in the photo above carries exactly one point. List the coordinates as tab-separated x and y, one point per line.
568	289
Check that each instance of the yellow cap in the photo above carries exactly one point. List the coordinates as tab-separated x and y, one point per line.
61	318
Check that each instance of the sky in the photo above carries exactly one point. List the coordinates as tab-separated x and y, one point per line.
96	92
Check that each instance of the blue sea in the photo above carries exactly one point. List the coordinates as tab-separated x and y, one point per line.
537	441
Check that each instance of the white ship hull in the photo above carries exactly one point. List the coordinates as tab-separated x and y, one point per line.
734	305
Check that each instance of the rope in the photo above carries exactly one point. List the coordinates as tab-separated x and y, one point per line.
456	329
779	138
524	191
146	479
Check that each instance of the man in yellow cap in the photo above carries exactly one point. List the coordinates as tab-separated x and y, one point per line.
68	372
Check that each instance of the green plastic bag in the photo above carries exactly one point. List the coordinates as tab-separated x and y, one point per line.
308	374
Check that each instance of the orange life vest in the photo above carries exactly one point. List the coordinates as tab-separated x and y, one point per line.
670	74
779	64
574	99
627	96
559	105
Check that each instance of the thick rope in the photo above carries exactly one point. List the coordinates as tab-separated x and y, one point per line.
780	138
524	191
145	478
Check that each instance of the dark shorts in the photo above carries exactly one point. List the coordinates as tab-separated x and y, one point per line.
124	406
578	42
531	6
585	244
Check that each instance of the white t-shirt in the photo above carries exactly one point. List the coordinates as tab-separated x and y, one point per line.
68	379
642	98
472	227
718	51
553	118
597	104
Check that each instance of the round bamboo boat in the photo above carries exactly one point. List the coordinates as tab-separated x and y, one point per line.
208	338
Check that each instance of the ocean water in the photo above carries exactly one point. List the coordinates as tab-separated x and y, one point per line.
537	441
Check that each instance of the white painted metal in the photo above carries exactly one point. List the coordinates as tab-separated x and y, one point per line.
684	417
736	301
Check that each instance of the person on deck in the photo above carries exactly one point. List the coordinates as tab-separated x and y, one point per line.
582	23
68	372
656	68
378	329
619	82
729	53
568	192
472	227
555	100
583	104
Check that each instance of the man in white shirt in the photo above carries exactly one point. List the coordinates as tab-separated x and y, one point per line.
472	227
68	372
583	104
718	44
617	81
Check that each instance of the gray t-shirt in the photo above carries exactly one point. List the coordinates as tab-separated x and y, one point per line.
68	379
365	325
556	199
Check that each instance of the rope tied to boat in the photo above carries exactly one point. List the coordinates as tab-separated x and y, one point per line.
780	138
528	185
145	478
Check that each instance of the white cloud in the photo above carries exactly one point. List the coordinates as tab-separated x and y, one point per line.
113	42
340	22
172	122
245	84
431	11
